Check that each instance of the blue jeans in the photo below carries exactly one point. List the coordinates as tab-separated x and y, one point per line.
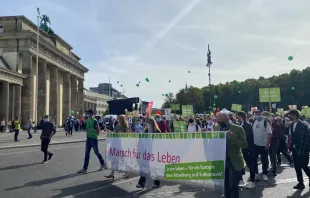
92	143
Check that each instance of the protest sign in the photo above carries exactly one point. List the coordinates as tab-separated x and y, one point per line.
168	114
175	107
269	94
187	110
164	156
236	107
179	126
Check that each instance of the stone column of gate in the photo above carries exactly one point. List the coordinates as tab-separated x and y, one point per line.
66	95
74	94
85	106
18	100
5	101
54	94
80	101
27	91
42	97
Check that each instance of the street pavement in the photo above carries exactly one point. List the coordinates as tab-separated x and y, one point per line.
7	139
23	176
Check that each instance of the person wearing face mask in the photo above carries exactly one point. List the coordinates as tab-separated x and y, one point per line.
262	136
282	141
92	133
48	130
192	126
235	141
161	123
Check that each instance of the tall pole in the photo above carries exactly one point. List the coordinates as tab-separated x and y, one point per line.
209	63
37	68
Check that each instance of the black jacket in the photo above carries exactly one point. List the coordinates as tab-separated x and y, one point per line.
249	134
300	138
48	129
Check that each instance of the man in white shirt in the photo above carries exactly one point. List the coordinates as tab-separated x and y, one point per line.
262	135
2	126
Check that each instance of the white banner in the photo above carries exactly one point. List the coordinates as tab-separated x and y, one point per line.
195	158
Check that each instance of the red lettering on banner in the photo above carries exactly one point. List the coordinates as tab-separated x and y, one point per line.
168	159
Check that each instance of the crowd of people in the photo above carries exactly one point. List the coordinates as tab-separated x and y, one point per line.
248	137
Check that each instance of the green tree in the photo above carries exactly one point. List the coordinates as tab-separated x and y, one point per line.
170	99
193	96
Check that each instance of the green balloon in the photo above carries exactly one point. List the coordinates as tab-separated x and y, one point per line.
166	95
137	85
290	58
293	88
163	94
147	80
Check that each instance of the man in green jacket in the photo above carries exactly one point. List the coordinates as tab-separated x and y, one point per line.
235	141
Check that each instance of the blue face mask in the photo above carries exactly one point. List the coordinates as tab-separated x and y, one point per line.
87	116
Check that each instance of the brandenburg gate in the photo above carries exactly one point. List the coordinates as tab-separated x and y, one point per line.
60	74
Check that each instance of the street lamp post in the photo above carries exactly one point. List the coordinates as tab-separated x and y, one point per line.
37	67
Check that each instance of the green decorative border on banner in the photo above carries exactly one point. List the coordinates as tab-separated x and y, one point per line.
213	135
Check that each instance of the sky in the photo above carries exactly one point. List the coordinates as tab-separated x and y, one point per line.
130	40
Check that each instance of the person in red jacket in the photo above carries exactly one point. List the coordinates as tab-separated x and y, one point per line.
161	123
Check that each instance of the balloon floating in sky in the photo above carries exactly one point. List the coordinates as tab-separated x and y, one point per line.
163	94
169	80
189	71
139	82
121	85
166	95
290	58
117	82
137	85
293	88
147	80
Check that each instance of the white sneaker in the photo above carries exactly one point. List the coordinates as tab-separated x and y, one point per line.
265	178
257	177
249	185
241	183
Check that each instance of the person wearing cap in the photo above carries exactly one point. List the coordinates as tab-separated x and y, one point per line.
235	141
300	147
92	132
262	136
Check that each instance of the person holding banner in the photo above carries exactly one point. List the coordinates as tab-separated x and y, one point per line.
235	141
151	127
121	127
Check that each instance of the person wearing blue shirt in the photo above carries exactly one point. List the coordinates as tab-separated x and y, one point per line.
138	127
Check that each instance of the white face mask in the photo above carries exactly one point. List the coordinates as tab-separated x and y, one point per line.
46	120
